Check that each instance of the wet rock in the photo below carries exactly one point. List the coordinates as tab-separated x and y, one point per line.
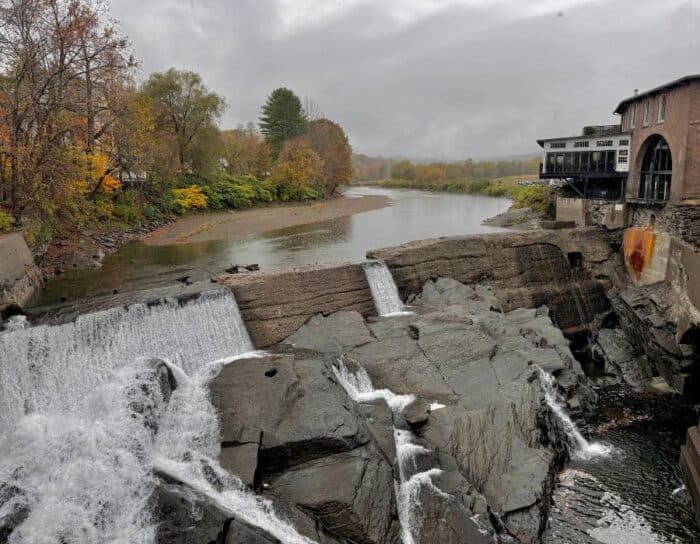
416	413
379	421
151	392
185	516
336	333
621	358
646	316
351	494
239	452
302	413
13	510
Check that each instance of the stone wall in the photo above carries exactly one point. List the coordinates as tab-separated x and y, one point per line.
587	212
568	270
275	304
680	220
19	276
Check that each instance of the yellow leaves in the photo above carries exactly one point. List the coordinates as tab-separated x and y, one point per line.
190	197
297	170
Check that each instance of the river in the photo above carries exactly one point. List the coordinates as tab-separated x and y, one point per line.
413	215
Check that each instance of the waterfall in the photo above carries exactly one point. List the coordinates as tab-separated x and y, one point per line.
85	420
358	385
384	291
580	447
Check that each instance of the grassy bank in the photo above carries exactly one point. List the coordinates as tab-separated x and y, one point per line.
535	196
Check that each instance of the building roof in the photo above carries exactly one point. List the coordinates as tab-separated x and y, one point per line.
542	141
622	106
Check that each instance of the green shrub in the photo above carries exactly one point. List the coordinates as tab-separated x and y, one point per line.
6	221
538	197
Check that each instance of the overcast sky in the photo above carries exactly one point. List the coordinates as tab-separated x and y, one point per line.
446	79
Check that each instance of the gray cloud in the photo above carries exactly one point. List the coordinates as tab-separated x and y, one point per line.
425	78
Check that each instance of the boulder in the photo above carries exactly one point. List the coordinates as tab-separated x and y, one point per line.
294	400
351	494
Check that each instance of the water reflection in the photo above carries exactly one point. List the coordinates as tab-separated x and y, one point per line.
413	215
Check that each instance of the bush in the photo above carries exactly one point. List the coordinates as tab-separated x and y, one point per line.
6	221
191	197
538	197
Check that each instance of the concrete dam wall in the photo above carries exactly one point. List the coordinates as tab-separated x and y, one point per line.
567	270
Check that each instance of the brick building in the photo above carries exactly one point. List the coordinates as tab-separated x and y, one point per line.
628	173
664	156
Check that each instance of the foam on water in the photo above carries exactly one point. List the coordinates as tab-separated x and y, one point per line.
582	449
384	291
84	421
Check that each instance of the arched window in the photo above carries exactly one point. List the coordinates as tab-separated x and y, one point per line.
655	181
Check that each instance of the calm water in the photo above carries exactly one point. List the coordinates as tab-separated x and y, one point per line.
414	215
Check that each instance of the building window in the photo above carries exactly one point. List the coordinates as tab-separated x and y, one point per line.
633	116
622	160
624	142
622	153
604	143
647	106
557	145
662	109
580	144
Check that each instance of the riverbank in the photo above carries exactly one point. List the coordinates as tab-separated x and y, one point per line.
523	190
232	224
86	249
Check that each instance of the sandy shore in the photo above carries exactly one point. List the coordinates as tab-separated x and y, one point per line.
234	223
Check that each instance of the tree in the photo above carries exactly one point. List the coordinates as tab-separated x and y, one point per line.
63	65
403	170
282	119
329	141
184	107
297	171
246	152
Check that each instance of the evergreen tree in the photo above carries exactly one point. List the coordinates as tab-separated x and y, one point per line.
283	118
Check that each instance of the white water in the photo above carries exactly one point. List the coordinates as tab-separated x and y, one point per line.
582	449
384	291
79	454
359	387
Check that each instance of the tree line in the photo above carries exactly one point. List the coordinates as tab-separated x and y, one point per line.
379	168
83	143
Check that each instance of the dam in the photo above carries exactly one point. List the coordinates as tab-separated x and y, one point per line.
438	381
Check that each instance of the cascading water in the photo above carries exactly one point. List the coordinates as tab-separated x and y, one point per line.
579	446
83	422
384	291
358	385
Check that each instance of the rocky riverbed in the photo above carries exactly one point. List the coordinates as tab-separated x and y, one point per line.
458	376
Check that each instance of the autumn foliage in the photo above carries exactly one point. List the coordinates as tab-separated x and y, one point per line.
83	145
298	171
